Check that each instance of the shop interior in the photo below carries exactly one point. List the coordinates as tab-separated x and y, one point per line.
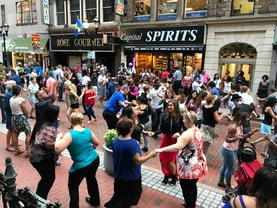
160	60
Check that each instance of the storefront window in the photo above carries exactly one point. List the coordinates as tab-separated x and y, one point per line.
107	11
167	9
26	12
142	10
196	8
90	10
74	10
242	7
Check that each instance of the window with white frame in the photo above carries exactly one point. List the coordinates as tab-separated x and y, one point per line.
108	15
91	10
60	12
26	12
74	7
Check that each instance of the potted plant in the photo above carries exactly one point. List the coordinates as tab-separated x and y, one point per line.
109	137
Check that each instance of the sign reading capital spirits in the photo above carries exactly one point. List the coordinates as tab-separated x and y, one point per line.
161	36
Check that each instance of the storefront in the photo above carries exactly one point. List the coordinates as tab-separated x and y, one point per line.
68	50
241	47
159	48
22	50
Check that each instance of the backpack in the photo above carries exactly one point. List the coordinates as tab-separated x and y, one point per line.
244	175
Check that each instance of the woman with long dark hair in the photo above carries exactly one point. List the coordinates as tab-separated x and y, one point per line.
42	155
171	125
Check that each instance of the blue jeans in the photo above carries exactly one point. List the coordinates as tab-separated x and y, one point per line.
90	112
228	165
156	118
61	89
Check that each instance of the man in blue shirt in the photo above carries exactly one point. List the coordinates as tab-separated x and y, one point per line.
114	105
15	77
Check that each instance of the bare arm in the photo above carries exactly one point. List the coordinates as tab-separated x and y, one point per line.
94	140
24	108
55	91
62	142
138	159
218	117
182	141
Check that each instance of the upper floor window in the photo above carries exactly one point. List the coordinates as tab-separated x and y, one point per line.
242	7
91	10
142	10
167	9
196	8
74	10
26	12
107	10
60	12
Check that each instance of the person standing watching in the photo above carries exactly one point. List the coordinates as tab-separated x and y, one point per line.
81	143
59	75
114	105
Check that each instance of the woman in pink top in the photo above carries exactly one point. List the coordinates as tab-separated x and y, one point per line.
230	147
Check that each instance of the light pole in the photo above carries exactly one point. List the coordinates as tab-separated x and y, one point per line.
92	34
4	30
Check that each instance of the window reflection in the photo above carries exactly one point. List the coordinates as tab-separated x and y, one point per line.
142	10
167	9
26	12
242	7
196	8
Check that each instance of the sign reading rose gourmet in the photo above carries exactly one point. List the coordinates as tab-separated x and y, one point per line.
176	35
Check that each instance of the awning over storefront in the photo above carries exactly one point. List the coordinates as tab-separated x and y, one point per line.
25	45
165	48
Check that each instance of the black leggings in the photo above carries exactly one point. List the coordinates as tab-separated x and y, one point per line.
110	118
46	170
189	190
76	177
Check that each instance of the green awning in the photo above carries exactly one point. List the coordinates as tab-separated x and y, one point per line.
25	45
274	43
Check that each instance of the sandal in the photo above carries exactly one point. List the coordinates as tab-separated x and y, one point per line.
9	149
18	152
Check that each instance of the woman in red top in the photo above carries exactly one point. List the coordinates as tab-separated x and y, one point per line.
90	95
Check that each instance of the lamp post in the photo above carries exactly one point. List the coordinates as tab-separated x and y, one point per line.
4	30
92	34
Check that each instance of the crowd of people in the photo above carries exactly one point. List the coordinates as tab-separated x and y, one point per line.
180	109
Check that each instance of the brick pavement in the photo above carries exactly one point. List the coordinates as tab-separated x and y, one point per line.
150	196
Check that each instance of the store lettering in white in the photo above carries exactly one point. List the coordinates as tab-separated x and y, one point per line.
171	36
134	36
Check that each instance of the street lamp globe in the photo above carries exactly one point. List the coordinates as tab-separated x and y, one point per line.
6	28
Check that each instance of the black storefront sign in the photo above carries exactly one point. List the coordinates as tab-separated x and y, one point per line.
188	35
82	43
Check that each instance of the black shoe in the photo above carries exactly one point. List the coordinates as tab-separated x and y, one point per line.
88	200
165	180
173	181
145	149
155	137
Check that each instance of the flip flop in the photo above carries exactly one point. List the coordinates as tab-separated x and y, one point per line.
18	152
10	150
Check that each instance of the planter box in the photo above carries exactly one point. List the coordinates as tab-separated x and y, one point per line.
108	160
